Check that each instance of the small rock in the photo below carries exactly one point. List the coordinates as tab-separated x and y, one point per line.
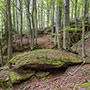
42	74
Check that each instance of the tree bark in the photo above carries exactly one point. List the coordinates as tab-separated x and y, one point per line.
66	42
21	23
83	29
8	7
14	16
17	17
58	22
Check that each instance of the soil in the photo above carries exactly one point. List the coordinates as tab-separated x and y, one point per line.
58	79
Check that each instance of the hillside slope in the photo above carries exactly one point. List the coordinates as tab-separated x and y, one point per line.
78	46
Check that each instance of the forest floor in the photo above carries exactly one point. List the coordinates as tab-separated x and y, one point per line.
58	80
78	46
61	79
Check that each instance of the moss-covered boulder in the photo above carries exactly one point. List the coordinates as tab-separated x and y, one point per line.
8	77
42	74
17	77
4	79
45	59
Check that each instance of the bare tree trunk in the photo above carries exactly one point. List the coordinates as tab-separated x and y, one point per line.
42	14
17	16
83	29
1	53
58	22
72	9
39	16
89	12
36	24
13	15
8	4
76	13
21	23
29	22
52	16
48	12
66	23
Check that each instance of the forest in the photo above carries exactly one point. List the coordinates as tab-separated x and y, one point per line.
44	44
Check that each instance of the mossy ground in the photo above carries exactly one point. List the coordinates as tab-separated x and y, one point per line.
82	85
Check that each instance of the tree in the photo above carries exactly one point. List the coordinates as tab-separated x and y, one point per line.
76	13
52	15
58	21
83	29
36	23
17	16
1	53
14	15
30	31
66	23
34	14
8	7
21	23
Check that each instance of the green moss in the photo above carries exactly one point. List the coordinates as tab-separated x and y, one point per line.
43	56
83	85
16	77
1	83
42	74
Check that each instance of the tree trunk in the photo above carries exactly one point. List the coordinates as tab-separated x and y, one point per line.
17	15
8	4
42	14
21	23
76	13
13	16
30	32
36	26
66	23
58	22
52	16
48	12
1	54
83	29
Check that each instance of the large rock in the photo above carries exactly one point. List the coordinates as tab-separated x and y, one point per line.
17	77
44	59
4	79
8	77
